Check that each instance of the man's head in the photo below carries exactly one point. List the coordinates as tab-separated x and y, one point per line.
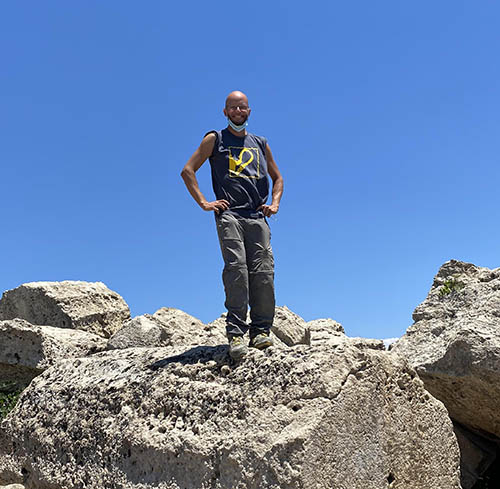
236	108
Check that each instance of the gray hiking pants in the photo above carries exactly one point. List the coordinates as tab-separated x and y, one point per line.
248	274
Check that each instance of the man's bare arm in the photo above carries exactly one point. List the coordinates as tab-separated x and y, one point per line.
188	174
274	173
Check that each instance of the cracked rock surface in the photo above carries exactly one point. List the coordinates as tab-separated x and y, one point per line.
170	418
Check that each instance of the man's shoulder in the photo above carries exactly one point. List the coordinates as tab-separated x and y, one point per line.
261	139
211	135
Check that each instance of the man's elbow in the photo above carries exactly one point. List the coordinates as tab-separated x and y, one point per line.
186	173
278	180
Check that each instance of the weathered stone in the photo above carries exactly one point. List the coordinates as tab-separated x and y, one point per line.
323	329
89	306
290	328
166	327
454	344
26	350
165	418
330	332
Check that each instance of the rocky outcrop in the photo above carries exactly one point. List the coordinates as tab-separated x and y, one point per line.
454	345
87	306
166	327
165	418
26	350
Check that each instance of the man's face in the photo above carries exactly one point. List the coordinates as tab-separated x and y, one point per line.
237	110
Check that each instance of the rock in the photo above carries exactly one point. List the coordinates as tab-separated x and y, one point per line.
166	327
290	328
330	332
322	329
89	306
454	344
166	418
26	350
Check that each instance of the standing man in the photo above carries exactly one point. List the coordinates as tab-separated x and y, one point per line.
241	163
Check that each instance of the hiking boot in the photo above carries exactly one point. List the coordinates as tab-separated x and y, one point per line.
261	341
237	348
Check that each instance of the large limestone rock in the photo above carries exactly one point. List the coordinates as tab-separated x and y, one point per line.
166	327
166	418
454	344
89	306
26	350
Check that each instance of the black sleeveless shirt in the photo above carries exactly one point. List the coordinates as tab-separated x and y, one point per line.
239	172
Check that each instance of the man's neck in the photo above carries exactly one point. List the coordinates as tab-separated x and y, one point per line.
240	134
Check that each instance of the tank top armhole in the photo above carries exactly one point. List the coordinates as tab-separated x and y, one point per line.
263	142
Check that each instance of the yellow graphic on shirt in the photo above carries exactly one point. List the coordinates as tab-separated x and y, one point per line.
244	157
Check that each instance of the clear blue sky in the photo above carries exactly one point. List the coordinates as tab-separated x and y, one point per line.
382	116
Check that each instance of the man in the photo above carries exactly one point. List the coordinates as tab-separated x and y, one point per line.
241	163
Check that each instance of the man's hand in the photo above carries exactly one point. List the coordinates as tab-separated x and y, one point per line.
216	205
269	210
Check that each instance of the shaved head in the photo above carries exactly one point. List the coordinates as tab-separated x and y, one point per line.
236	109
237	97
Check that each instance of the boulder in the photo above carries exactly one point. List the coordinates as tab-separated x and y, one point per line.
290	328
323	329
27	350
166	327
167	418
330	332
89	306
454	344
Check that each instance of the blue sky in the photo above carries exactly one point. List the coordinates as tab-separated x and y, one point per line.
382	116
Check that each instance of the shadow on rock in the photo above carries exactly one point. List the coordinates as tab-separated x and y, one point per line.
198	354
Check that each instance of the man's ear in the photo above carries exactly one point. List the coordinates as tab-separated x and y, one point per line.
224	111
